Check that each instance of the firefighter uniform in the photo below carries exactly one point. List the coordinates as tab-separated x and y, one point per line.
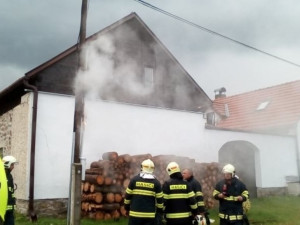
230	208
196	187
11	203
180	204
143	199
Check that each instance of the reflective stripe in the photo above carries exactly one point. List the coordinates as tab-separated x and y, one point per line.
232	217
143	192
191	194
245	194
194	206
178	215
126	201
175	196
199	193
200	203
160	206
216	192
232	198
128	191
159	195
142	214
9	207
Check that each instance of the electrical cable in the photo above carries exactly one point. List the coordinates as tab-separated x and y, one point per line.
213	32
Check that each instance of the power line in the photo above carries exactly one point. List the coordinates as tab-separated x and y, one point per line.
213	32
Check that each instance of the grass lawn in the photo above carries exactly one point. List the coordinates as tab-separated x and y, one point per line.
264	211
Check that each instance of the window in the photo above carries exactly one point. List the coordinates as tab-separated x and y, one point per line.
262	105
148	76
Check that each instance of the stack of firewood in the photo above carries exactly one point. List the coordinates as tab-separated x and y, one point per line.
106	180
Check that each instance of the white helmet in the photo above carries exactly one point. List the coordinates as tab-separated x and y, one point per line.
229	169
173	167
147	166
8	160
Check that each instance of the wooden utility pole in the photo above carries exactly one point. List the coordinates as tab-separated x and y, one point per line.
76	170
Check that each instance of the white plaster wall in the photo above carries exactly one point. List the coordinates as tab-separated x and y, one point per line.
53	146
275	158
140	130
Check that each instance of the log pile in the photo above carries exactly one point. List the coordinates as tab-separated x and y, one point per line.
106	180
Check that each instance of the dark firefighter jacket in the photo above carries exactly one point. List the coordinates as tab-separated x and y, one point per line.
196	187
179	199
143	197
230	208
11	202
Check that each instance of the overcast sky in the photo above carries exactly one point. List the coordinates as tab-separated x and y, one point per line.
35	31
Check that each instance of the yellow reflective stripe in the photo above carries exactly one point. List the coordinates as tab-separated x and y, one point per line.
216	192
178	215
199	193
191	194
232	198
194	206
175	196
9	207
245	194
159	195
200	203
128	191
126	201
160	206
232	217
142	214
143	192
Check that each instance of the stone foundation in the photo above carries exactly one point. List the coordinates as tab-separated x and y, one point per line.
274	191
45	207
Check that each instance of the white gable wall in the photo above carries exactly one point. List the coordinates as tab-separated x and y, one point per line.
140	130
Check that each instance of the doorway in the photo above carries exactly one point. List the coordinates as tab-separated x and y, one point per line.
241	154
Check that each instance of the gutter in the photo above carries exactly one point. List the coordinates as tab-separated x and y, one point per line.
31	211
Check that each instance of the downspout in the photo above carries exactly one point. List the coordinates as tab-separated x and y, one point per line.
31	211
297	148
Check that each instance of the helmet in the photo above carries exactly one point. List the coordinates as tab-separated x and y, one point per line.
229	169
173	167
147	166
8	160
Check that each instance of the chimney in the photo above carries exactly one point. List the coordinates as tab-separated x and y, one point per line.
220	92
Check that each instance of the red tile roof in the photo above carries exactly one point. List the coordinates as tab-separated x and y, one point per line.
279	116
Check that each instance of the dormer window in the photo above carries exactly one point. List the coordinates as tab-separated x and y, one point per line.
262	105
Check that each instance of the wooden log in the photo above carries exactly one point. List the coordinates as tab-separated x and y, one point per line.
86	186
115	214
123	211
107	216
126	157
94	179
110	197
126	183
94	170
118	198
111	156
107	189
99	215
105	207
96	197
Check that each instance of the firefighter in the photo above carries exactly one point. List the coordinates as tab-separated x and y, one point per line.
9	163
231	193
196	187
180	206
143	197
